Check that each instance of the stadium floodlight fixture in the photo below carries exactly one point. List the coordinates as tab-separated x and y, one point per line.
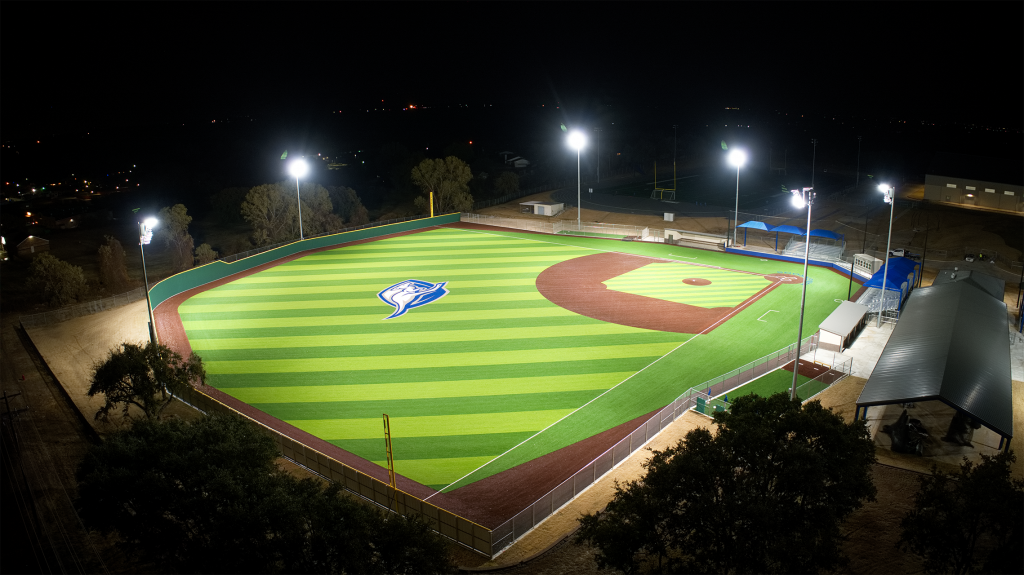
578	140
806	198
145	236
888	191
798	200
737	158
298	168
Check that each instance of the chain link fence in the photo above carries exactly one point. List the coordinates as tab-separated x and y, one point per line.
83	309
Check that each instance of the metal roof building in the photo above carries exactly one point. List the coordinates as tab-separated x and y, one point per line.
951	345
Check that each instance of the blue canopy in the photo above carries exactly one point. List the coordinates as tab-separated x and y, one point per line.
756	226
825	234
899	269
789	230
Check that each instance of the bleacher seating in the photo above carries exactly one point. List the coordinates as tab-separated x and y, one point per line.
818	251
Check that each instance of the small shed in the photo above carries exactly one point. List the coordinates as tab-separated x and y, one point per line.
33	245
542	208
842	326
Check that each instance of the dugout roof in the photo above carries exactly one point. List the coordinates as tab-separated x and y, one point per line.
951	344
846	317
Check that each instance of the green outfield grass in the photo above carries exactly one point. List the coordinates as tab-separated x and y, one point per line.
491	375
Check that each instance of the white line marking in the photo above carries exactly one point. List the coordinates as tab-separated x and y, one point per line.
679	256
566	415
766	313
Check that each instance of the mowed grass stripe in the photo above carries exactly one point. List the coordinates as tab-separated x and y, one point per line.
419	263
430	425
468	271
435	473
371	305
452	374
435	446
362	339
525	344
439	360
429	389
258	291
346	303
384	327
418	317
452	251
368	409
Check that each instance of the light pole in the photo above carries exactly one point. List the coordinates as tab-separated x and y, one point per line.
801	199
737	158
145	236
578	140
598	130
298	168
888	191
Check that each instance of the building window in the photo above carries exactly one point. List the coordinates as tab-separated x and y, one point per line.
1008	193
970	188
990	190
950	185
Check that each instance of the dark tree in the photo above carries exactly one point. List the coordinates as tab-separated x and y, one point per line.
766	494
207	497
55	280
969	523
146	376
113	268
173	228
348	206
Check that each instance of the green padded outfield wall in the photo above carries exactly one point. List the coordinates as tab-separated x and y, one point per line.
217	270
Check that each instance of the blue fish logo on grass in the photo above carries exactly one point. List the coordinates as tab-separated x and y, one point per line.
404	296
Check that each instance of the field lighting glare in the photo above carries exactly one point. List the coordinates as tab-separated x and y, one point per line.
798	200
298	168
150	223
737	158
577	140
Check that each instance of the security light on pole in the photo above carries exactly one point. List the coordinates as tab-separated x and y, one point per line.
298	168
737	158
146	236
802	198
578	140
888	191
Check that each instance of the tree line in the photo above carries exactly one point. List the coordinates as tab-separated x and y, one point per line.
208	495
769	492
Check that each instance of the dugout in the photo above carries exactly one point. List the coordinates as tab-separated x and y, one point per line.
841	326
950	346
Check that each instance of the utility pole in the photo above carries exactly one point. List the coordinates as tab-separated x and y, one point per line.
813	155
598	130
858	163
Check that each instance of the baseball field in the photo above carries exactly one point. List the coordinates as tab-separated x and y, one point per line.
490	348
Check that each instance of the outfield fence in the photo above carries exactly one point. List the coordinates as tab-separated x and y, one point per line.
596	229
83	309
367	487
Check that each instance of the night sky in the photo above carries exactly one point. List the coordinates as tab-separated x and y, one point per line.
106	86
92	65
